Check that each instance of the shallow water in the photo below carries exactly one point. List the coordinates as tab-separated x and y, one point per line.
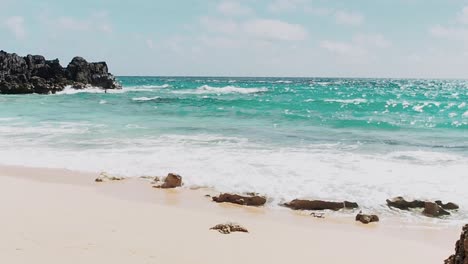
363	140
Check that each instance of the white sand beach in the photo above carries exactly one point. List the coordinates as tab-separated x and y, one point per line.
59	216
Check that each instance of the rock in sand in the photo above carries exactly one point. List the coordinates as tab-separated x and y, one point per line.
251	200
229	228
298	204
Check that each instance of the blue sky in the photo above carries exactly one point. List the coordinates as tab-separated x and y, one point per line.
380	38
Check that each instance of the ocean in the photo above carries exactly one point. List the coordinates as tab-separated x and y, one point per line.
363	140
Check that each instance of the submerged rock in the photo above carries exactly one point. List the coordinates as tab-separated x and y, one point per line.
461	249
366	219
35	74
103	177
320	205
229	228
171	181
434	210
251	200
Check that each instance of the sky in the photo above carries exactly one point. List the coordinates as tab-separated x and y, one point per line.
296	38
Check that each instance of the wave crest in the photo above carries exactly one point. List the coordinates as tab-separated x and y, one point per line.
144	98
206	89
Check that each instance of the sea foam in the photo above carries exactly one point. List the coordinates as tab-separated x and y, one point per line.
206	89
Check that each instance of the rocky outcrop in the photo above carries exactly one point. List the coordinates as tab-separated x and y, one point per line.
366	219
229	228
461	249
434	210
320	205
171	181
400	203
251	199
35	74
447	206
431	209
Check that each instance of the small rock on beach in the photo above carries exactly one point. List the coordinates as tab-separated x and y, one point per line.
314	205
250	200
229	228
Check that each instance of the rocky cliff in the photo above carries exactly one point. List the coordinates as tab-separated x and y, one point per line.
35	74
461	249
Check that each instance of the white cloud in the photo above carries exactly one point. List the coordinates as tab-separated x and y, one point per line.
449	32
377	40
337	47
150	43
270	29
360	45
349	18
263	29
457	30
16	25
233	8
463	16
225	26
284	5
97	22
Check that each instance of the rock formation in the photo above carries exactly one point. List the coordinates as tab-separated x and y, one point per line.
35	74
320	205
431	209
400	203
251	200
366	219
461	249
447	206
434	210
229	228
171	181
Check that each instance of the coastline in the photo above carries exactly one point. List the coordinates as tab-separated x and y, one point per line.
77	220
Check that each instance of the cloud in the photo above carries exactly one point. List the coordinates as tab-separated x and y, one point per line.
449	32
348	18
232	8
457	30
225	26
284	5
360	45
463	16
262	29
97	22
16	25
270	29
150	43
337	47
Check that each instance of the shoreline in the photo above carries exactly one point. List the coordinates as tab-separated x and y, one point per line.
175	224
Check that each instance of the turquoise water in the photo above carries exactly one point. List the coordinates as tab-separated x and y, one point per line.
356	139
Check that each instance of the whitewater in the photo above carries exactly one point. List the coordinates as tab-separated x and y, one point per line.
363	140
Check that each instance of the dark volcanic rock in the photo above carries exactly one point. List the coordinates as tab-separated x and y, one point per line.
252	200
447	206
400	203
35	74
434	210
366	219
461	249
320	205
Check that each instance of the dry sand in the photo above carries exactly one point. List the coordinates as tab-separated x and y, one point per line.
57	216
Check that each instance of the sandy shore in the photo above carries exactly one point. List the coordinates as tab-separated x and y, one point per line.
58	216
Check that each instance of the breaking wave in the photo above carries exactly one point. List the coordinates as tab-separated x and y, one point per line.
206	89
